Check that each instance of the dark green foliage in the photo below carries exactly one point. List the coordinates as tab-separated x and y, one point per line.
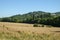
5	19
35	25
38	17
38	25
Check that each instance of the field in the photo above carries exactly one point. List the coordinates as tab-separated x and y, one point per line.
23	31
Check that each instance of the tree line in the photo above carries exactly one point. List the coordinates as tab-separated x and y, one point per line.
38	17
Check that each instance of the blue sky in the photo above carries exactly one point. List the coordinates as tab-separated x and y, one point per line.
13	7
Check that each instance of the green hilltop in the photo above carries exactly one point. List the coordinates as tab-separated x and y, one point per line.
38	17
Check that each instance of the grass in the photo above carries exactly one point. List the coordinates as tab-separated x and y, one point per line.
9	32
27	36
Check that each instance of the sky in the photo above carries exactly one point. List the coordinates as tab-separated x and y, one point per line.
13	7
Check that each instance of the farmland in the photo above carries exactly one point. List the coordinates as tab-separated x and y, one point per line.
23	31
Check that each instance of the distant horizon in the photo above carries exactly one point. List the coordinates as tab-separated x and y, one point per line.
13	7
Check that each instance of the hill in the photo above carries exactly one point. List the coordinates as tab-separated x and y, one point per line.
38	17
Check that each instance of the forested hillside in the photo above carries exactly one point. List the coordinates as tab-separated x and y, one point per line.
38	17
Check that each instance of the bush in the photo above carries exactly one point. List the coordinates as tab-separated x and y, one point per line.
35	25
38	25
42	25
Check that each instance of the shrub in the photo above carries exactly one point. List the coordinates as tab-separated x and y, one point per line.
42	25
38	25
35	25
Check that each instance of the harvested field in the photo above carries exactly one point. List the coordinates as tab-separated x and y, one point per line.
22	31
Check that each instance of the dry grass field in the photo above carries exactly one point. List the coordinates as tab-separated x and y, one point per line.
23	31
